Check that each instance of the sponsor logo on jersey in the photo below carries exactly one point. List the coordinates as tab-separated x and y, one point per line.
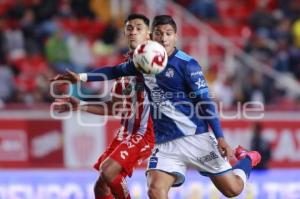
196	73
200	83
153	162
211	156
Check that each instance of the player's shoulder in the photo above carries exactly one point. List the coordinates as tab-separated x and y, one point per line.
185	61
183	56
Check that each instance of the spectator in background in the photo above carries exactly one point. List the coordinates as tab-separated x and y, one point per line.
204	9
223	89
14	42
290	8
28	27
262	18
44	9
80	53
2	39
7	85
81	8
259	144
296	33
57	52
106	43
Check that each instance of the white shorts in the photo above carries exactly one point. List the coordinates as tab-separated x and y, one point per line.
197	151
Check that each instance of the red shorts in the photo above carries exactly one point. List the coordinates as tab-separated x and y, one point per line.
128	152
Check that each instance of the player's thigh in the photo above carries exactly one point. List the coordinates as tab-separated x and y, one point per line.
160	180
109	150
202	153
228	183
110	168
168	159
128	154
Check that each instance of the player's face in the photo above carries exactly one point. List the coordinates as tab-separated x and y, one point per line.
136	32
165	35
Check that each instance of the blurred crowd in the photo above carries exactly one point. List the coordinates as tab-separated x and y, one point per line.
39	38
272	29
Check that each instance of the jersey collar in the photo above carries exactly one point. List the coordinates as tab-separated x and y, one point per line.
173	53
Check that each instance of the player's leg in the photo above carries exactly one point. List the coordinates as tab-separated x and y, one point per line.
232	183
166	169
203	154
121	163
102	190
159	184
228	184
113	175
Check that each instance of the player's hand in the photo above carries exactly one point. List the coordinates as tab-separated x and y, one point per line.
225	149
68	76
62	105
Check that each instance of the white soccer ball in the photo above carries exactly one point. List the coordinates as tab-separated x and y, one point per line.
150	57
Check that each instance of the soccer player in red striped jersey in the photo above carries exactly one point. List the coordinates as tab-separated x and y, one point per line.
135	138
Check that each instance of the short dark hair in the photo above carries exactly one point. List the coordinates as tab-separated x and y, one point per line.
163	20
137	16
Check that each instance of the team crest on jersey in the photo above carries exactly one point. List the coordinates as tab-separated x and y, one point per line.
170	73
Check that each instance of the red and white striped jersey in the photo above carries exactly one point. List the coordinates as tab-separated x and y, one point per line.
136	117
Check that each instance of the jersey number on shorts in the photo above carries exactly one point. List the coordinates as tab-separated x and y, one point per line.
123	154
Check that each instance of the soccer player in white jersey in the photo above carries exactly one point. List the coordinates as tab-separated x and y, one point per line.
182	113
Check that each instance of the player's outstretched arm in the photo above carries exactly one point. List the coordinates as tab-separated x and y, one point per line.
68	76
100	74
109	73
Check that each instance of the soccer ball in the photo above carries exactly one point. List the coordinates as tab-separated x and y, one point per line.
150	57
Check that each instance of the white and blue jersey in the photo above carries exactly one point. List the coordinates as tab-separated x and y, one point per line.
173	94
178	95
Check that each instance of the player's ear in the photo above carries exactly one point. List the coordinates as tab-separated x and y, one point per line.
148	35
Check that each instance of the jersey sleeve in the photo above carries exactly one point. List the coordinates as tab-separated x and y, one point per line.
195	78
112	72
208	108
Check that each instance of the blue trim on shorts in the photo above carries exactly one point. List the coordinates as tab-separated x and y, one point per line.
214	174
180	178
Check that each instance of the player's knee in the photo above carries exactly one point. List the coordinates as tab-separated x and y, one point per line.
110	170
155	192
100	188
232	192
